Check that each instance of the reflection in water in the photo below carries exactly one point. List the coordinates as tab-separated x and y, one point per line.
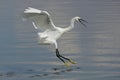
95	48
40	73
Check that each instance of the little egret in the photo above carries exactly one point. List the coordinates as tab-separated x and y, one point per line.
47	32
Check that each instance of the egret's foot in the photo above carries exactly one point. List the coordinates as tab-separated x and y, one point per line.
67	64
73	62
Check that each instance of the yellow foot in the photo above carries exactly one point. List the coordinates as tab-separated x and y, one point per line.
73	62
67	64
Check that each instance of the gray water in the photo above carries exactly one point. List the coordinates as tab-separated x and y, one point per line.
96	49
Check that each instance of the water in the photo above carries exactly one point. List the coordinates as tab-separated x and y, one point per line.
95	48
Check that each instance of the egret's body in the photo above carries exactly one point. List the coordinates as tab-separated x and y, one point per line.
46	37
47	32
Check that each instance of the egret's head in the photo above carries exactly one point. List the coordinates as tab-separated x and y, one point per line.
79	19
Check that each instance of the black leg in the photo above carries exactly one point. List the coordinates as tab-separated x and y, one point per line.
57	54
61	55
64	57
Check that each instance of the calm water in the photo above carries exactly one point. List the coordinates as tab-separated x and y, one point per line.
95	48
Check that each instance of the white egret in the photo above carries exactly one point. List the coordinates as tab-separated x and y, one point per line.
47	32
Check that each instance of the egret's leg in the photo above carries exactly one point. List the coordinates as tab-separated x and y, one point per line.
64	57
61	55
57	54
70	60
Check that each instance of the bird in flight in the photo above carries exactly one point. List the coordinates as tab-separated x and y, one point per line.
47	32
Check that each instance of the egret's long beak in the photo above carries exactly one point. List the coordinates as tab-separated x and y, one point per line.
82	21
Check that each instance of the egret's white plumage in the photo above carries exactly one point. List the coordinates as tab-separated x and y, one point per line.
48	33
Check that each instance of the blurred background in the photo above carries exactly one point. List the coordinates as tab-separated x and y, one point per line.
96	48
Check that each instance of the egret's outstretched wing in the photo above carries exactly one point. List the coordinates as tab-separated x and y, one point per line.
40	19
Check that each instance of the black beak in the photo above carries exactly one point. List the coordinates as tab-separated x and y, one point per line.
82	21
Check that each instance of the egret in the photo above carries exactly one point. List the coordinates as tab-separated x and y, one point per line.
47	32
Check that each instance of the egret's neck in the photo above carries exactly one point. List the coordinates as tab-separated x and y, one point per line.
71	26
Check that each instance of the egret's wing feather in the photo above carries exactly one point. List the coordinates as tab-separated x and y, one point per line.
41	19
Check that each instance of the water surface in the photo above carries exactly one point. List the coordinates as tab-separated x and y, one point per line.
95	48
